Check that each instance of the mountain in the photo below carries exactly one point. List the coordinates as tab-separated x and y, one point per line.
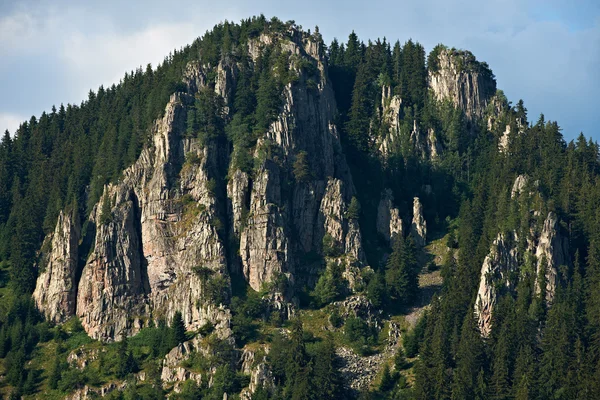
266	216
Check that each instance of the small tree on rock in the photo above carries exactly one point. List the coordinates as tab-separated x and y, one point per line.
178	328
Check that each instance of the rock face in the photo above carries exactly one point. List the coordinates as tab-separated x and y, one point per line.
332	218
359	306
418	229
546	248
460	78
317	203
172	372
254	363
161	229
425	144
551	252
504	140
519	186
389	223
501	260
170	227
88	392
264	246
55	291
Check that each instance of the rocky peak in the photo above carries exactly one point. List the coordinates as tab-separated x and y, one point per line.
457	76
159	231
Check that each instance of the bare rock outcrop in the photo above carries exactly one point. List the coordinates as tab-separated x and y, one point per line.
316	204
169	226
425	143
460	78
254	363
225	82
551	252
519	186
332	217
359	306
264	244
546	248
56	287
88	392
173	373
237	194
501	260
161	229
418	228
389	223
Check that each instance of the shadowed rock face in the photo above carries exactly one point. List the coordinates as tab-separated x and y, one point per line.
551	252
389	223
180	219
424	143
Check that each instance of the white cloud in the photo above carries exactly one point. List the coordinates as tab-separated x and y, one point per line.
104	58
535	55
10	122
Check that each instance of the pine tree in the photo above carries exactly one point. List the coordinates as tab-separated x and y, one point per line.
401	271
326	378
469	360
353	211
387	382
55	373
376	292
178	328
358	123
122	366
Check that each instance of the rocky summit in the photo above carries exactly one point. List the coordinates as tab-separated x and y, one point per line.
266	216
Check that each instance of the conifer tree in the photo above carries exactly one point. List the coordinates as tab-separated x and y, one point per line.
178	328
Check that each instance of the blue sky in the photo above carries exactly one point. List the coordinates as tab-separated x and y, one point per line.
545	52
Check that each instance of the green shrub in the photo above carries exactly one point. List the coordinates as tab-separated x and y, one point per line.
330	286
330	246
192	158
353	211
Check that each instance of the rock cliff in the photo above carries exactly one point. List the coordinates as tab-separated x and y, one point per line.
546	249
424	143
55	292
495	271
551	252
169	232
460	78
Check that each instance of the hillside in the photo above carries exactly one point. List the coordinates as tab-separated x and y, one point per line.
267	216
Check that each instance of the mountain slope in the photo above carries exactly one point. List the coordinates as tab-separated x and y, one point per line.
262	232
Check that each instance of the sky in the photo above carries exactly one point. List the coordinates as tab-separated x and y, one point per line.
546	52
